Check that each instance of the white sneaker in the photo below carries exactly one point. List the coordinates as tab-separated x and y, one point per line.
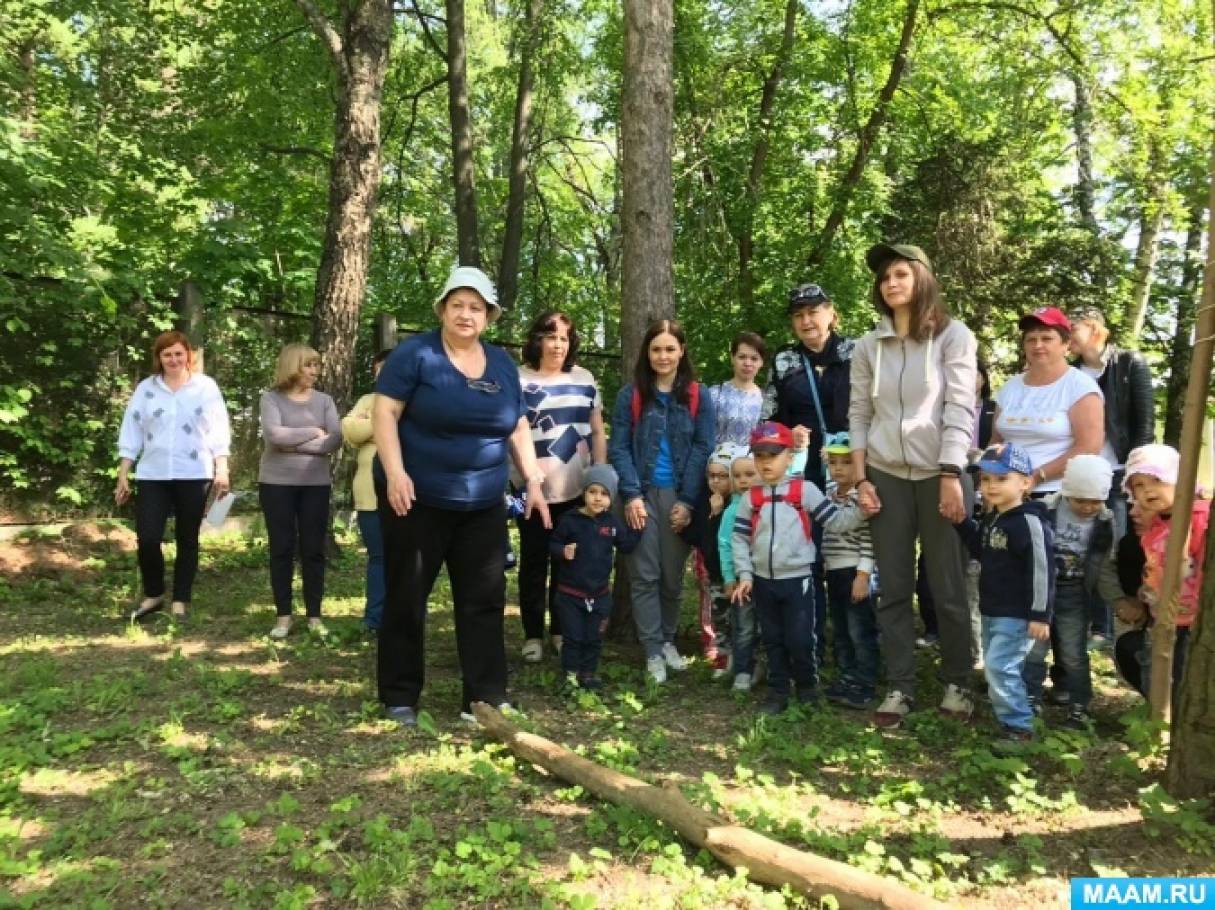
674	660
316	627
533	650
957	702
894	707
506	709
657	668
281	627
742	682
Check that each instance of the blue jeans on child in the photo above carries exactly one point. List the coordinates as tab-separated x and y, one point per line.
856	634
582	621
373	540
785	608
1069	644
1006	644
742	637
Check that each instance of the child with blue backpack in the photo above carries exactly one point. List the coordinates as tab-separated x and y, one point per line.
774	554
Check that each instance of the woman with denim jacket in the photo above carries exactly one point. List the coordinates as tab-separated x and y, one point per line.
662	432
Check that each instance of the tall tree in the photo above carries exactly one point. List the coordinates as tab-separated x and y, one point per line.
1183	329
1085	191
647	216
1151	220
463	169
865	140
759	156
359	55
512	240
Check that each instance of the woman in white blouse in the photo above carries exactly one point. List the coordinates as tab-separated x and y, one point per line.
1052	410
175	431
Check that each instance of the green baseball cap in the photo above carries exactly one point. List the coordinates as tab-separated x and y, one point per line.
881	254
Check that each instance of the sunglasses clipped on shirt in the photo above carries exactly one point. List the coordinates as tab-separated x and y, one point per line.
484	385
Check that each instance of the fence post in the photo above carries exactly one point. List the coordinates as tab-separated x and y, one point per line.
385	332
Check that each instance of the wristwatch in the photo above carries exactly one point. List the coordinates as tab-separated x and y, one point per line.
951	470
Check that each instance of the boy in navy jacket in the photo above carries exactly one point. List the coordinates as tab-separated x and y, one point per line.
1014	544
585	543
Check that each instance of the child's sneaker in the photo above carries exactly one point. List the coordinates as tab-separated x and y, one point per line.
773	704
674	660
533	650
853	697
1012	740
742	682
1058	696
957	702
927	640
894	707
836	690
656	667
722	665
1078	718
1035	705
590	682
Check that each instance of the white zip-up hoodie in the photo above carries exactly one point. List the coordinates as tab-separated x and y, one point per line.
912	406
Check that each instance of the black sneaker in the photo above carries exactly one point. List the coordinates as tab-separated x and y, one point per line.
807	697
1035	705
773	704
837	690
402	714
590	682
855	698
1078	718
1012	740
1058	696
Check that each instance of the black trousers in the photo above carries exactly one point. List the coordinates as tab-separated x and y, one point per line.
297	520
583	622
155	500
416	546
538	568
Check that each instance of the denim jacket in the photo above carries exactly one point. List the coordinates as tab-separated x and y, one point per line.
633	450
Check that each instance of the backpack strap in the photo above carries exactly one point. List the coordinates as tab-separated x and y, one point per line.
794	497
757	505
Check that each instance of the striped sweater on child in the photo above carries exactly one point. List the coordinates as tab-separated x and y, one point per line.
847	549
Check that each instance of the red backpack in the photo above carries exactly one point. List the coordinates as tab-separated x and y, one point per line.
792	496
693	402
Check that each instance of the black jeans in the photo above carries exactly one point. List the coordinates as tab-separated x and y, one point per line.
583	623
416	546
536	568
155	500
297	519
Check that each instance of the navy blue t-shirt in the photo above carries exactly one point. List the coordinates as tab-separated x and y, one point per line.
455	430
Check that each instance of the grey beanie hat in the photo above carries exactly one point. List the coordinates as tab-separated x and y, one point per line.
602	474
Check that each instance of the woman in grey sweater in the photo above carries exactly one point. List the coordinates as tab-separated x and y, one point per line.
912	420
300	428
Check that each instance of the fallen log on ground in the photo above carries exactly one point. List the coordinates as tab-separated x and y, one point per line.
765	860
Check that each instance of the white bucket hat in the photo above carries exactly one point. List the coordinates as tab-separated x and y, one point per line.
467	276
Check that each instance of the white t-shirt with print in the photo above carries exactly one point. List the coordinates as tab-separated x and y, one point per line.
1036	417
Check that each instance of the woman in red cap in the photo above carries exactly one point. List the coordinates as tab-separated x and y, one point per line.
1052	410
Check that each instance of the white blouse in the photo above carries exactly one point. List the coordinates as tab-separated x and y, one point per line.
175	435
1037	418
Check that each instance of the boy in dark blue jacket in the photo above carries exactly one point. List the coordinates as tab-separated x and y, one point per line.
1014	544
585	543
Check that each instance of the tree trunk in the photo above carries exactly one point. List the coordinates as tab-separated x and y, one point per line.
360	58
865	140
1151	219
646	126
1182	347
1191	772
463	170
512	240
1084	193
27	111
765	860
755	174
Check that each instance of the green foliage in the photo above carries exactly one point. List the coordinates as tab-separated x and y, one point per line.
147	144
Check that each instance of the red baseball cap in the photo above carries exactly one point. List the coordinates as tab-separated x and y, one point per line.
771	436
1049	316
